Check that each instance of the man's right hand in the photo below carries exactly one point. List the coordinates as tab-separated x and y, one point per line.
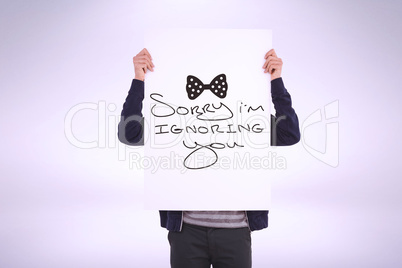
273	64
142	62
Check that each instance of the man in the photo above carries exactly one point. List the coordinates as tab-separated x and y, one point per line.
221	238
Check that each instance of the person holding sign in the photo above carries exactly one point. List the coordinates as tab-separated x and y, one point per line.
199	239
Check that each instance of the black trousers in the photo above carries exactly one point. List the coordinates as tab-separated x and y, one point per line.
199	247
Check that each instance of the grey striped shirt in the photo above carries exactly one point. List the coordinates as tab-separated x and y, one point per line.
216	219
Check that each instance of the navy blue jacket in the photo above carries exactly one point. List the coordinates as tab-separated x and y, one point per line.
284	131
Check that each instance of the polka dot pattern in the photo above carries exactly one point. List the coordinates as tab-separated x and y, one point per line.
218	86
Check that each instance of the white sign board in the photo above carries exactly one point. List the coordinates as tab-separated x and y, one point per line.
207	120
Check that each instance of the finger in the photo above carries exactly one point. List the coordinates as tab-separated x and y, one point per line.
144	60
273	67
270	67
268	60
147	53
143	52
144	63
265	64
276	63
140	66
273	62
149	66
148	59
271	59
141	57
270	53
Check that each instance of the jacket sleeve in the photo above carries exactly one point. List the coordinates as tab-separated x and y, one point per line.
130	130
285	124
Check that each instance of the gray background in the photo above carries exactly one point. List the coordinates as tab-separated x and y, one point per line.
65	206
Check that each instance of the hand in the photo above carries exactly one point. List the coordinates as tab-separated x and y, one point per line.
142	62
273	64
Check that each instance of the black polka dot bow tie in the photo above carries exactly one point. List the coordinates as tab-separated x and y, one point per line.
195	87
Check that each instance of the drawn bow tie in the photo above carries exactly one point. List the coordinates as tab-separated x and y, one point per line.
195	87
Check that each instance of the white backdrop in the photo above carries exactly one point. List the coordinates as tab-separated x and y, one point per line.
71	197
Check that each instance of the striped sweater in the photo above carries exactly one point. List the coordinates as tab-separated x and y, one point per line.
216	219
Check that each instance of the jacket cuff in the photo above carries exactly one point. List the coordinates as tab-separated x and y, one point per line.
137	87
277	87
